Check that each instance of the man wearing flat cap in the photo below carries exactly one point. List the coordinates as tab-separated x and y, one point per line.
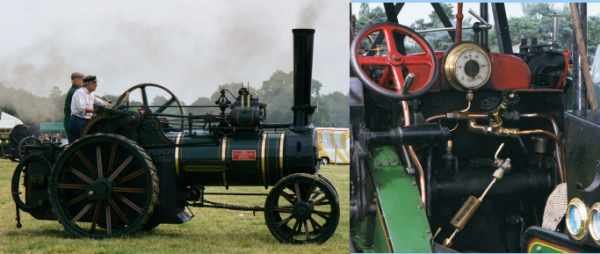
82	106
76	82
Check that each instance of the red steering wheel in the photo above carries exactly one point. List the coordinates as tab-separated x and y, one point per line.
384	70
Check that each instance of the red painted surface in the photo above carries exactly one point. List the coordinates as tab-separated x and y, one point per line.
509	72
243	155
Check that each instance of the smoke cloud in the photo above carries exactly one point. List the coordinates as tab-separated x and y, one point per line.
189	46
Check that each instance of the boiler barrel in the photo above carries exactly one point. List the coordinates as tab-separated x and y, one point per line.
249	159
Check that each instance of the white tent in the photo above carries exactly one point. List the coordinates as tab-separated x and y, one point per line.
8	121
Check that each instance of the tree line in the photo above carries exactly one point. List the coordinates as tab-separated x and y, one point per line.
536	22
277	93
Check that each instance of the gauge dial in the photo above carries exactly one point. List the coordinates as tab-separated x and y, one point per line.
467	66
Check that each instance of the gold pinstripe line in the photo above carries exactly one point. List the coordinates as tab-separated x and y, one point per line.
177	153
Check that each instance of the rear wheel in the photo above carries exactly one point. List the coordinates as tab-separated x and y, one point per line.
103	185
302	208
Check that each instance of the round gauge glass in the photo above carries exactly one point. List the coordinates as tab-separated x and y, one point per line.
576	219
467	66
594	226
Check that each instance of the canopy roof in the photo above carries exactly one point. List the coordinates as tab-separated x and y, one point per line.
8	121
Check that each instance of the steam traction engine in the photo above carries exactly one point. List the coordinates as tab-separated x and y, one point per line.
138	166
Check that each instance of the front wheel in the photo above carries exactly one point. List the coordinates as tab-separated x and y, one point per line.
324	161
302	208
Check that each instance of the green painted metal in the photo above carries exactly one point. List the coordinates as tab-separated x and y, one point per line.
401	223
542	248
52	127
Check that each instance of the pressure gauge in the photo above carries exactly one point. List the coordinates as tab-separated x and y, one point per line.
467	66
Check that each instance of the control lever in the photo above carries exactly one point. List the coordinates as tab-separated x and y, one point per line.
408	80
485	25
466	212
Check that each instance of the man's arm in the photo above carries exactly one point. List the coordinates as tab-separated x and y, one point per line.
100	102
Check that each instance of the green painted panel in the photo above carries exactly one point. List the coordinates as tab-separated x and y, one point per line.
52	127
398	196
543	248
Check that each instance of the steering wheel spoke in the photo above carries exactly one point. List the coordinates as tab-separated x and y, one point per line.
417	59
385	76
398	78
373	60
390	41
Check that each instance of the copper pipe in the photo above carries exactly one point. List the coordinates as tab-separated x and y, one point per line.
413	155
558	147
436	117
459	19
538	131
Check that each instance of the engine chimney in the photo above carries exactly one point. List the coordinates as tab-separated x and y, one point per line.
303	56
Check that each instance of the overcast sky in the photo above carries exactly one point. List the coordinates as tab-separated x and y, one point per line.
414	11
189	46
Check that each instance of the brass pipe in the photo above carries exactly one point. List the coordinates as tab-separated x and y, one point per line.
456	116
501	131
413	155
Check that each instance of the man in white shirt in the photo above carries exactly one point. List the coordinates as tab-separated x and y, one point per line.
82	106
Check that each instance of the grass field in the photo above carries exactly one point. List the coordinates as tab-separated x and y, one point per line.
211	231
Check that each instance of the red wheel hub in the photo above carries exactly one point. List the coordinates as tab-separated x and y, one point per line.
384	71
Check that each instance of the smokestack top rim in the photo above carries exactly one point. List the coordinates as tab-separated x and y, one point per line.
303	30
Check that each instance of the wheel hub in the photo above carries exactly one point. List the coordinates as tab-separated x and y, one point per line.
302	210
100	189
396	59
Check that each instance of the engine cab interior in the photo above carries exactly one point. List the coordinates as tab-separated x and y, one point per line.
479	132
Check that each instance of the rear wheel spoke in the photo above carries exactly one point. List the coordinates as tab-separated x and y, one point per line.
85	161
298	194
130	203
72	186
111	160
128	190
108	220
82	212
130	176
121	168
77	199
95	217
99	161
82	176
118	211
